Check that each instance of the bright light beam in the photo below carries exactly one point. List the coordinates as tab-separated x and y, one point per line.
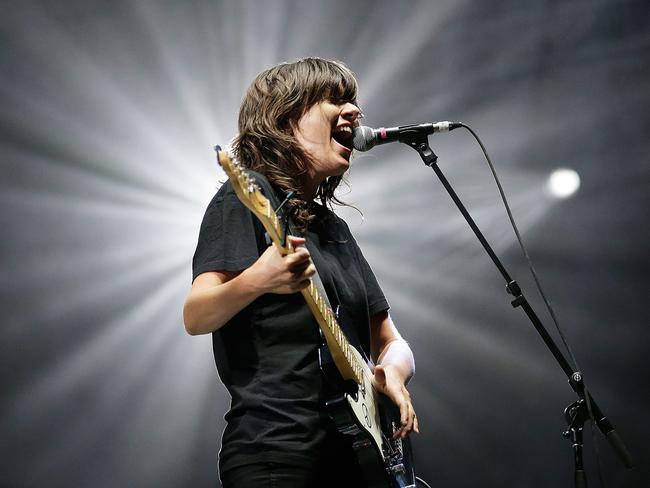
563	183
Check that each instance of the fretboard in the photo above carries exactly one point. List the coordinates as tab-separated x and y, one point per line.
340	348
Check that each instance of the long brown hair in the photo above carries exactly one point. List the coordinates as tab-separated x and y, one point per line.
272	106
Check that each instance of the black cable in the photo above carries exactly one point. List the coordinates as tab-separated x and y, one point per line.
543	295
523	248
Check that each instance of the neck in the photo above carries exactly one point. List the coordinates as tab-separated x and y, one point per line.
311	187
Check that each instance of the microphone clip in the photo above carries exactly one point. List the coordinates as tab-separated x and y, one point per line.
420	142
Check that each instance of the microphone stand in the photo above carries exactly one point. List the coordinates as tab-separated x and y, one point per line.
576	413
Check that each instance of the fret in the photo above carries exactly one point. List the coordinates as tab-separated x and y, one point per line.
328	314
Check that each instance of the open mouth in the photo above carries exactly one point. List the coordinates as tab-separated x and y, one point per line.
343	136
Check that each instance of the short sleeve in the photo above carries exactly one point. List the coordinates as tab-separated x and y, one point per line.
230	238
376	300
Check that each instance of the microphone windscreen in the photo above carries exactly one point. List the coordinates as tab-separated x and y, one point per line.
363	138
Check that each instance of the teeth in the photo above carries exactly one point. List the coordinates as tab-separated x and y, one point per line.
344	128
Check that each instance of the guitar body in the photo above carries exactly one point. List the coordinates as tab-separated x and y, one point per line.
370	418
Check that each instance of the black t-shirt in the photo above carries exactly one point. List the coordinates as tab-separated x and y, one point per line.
267	354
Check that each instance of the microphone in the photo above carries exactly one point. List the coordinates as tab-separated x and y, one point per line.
365	138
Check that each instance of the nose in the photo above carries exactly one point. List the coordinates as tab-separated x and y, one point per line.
350	112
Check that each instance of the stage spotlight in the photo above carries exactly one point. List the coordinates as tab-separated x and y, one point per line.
563	183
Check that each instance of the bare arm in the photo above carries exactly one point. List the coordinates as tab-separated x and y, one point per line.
217	296
394	368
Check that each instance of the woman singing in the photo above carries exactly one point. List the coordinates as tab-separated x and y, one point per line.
295	128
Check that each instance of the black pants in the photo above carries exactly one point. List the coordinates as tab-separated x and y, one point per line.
327	473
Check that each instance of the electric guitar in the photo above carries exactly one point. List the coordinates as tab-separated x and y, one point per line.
358	409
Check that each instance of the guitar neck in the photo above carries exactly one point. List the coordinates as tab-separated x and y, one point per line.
340	348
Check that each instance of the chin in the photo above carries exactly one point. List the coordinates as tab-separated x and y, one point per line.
343	168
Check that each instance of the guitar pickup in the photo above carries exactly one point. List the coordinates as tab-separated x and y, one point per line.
361	443
396	469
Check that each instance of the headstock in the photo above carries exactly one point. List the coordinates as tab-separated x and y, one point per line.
244	185
251	195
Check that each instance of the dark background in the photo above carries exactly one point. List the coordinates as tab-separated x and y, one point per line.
108	111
